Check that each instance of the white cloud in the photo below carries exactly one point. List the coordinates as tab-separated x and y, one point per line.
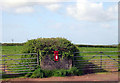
89	11
12	3
53	7
24	10
82	10
17	6
24	6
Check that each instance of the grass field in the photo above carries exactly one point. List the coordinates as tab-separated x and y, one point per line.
6	50
85	49
11	50
106	60
18	50
92	49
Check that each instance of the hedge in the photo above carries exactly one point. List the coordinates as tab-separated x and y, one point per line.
12	44
47	46
98	46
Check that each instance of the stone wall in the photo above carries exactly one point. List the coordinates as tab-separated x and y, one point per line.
49	64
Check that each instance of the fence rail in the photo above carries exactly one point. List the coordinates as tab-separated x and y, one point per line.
102	60
17	66
97	52
97	55
18	63
100	68
19	54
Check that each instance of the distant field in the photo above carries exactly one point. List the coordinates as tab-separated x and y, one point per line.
93	49
11	50
18	49
84	49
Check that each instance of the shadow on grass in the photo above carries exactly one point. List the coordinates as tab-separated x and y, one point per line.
5	76
92	68
89	67
85	66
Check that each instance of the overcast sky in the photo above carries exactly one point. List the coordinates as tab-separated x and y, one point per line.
81	22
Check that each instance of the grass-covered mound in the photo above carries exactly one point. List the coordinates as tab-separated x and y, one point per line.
46	46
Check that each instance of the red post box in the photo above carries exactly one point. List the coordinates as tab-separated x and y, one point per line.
56	56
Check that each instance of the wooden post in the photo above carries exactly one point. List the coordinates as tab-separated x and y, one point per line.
101	61
38	62
4	63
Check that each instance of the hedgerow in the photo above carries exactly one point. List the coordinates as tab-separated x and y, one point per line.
46	46
12	44
98	46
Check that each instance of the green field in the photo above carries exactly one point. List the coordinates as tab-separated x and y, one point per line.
18	50
85	49
6	50
92	49
11	50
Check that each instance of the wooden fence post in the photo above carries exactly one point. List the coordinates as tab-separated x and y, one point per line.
101	61
4	63
38	62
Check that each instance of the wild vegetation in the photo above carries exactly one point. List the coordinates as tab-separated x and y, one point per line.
39	73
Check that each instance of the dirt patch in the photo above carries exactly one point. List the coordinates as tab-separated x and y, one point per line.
113	76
